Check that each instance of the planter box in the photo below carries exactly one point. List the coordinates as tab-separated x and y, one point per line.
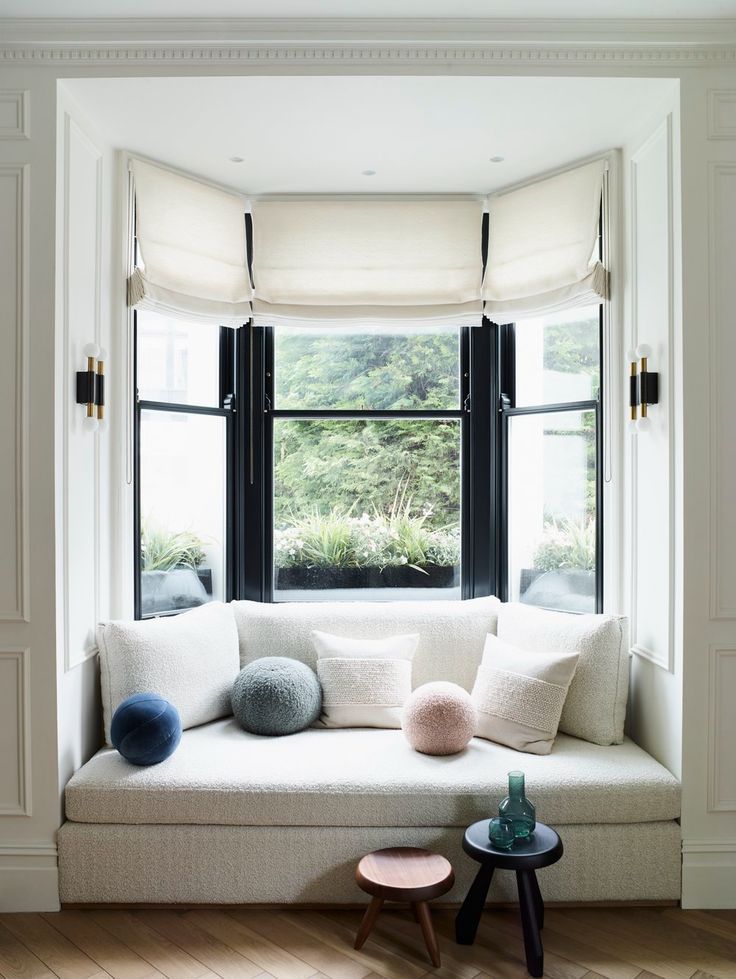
565	589
173	591
324	579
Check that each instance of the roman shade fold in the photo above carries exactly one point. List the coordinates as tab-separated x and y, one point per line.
191	239
542	246
364	261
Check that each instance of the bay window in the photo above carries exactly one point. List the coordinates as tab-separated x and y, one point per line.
402	446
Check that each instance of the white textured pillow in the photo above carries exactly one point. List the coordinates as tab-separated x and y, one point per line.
518	696
365	682
190	659
595	707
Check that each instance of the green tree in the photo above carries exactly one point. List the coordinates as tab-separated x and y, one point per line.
359	465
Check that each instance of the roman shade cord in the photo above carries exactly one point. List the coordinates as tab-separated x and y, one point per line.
367	262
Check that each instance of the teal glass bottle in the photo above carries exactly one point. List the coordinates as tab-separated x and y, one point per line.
518	808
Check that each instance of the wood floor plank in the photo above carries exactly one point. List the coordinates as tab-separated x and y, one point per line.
725	914
677	940
568	939
401	926
203	946
577	951
399	933
109	952
705	921
326	961
231	943
332	930
163	955
266	955
18	962
593	925
509	923
347	923
60	955
494	952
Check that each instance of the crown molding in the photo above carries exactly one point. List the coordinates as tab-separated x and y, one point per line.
377	41
686	31
387	55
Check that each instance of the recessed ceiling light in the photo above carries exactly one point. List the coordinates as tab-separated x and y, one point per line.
496	159
236	159
368	173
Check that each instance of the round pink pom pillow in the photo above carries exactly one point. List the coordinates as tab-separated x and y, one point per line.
439	718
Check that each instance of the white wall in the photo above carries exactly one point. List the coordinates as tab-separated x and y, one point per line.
85	190
653	482
35	642
29	798
709	559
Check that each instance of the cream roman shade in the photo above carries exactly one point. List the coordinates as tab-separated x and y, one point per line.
365	261
540	242
191	239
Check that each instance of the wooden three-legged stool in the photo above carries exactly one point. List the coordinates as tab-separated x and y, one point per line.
404	873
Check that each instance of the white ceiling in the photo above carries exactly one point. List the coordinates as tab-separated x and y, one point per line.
369	8
317	134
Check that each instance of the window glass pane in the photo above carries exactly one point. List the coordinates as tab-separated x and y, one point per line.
391	368
552	510
182	466
178	361
558	357
371	504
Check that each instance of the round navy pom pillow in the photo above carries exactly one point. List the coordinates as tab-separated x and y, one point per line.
146	729
276	695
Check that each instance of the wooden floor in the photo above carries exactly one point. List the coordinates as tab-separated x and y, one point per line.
628	943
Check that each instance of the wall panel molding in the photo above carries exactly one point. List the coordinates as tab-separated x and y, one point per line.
15	114
76	651
721	729
29	876
721	113
15	725
662	654
708	873
721	299
14	239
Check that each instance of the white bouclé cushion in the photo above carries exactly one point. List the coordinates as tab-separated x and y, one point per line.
365	682
221	775
518	696
190	659
595	707
451	633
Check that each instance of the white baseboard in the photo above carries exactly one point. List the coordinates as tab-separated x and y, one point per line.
708	874
29	877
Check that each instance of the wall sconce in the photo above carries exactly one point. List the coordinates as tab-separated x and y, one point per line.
643	387
91	388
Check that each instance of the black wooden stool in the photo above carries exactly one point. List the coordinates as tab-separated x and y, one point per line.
542	849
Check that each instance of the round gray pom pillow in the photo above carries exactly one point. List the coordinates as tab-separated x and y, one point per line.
275	695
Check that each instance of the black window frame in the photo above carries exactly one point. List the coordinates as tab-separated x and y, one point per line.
255	430
508	410
487	402
224	409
